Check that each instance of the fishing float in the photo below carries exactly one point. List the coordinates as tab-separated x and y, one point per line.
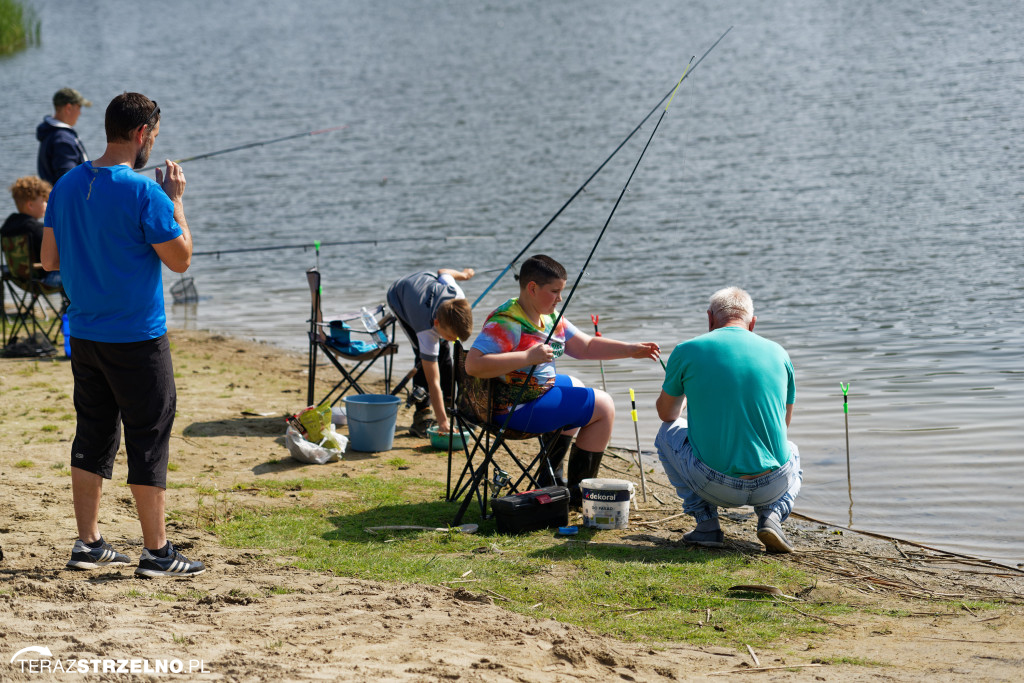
846	422
636	432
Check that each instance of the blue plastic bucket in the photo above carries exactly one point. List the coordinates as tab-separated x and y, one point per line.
371	421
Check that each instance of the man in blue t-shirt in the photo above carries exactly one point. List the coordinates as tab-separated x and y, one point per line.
109	230
738	390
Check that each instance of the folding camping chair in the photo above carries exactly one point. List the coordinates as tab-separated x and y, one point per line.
333	339
471	415
36	304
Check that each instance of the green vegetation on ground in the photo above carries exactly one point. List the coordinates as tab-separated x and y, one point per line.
18	27
660	593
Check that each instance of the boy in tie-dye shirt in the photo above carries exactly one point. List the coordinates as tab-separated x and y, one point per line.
515	338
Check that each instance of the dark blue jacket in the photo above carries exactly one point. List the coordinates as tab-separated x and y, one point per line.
60	150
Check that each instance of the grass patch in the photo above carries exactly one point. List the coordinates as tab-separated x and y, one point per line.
636	594
192	594
24	464
850	661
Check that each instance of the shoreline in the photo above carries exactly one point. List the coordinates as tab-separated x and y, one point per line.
650	456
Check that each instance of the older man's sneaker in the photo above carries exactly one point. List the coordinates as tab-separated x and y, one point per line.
85	557
152	565
707	539
769	532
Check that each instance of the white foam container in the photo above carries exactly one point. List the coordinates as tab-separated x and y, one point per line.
606	503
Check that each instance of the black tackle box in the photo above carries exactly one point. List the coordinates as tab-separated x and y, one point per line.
545	508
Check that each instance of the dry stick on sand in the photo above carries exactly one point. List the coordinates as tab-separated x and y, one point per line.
662	520
498	595
753	655
462	528
763	668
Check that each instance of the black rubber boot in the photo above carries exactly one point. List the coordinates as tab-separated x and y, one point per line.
555	454
582	465
422	420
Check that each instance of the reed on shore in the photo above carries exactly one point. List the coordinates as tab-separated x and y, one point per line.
19	27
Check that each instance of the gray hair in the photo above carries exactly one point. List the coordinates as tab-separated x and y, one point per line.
731	303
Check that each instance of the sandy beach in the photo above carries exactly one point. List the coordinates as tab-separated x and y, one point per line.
252	617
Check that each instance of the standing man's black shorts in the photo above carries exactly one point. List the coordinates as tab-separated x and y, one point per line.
130	383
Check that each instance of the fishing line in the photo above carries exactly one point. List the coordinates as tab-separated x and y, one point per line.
245	146
587	181
499	438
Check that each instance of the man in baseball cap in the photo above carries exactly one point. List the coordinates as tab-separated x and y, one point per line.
60	149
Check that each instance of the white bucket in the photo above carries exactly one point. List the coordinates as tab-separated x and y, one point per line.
338	416
606	503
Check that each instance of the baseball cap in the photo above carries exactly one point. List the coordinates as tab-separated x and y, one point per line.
69	96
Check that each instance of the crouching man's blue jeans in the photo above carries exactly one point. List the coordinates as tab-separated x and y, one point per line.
703	489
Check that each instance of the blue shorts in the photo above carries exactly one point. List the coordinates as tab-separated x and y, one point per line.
563	406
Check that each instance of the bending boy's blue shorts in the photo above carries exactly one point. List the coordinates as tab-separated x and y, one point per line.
563	406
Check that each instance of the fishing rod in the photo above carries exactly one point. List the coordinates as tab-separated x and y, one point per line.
592	175
500	436
317	245
246	146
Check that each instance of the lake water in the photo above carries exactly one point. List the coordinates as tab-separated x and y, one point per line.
854	165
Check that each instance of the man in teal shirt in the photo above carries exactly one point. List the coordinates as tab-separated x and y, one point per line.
738	390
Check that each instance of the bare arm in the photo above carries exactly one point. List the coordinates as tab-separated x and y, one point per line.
585	347
464	274
789	414
433	377
176	254
490	365
670	408
48	252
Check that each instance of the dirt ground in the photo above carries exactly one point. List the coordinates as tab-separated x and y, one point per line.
248	618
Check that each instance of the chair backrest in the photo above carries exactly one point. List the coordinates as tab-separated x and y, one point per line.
18	253
475	398
315	315
381	316
474	394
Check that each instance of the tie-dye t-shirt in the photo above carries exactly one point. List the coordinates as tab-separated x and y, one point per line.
508	328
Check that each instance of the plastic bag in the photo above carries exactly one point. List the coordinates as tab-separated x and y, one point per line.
315	420
316	454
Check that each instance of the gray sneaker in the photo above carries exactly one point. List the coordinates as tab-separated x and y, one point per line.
84	557
769	532
707	539
174	564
